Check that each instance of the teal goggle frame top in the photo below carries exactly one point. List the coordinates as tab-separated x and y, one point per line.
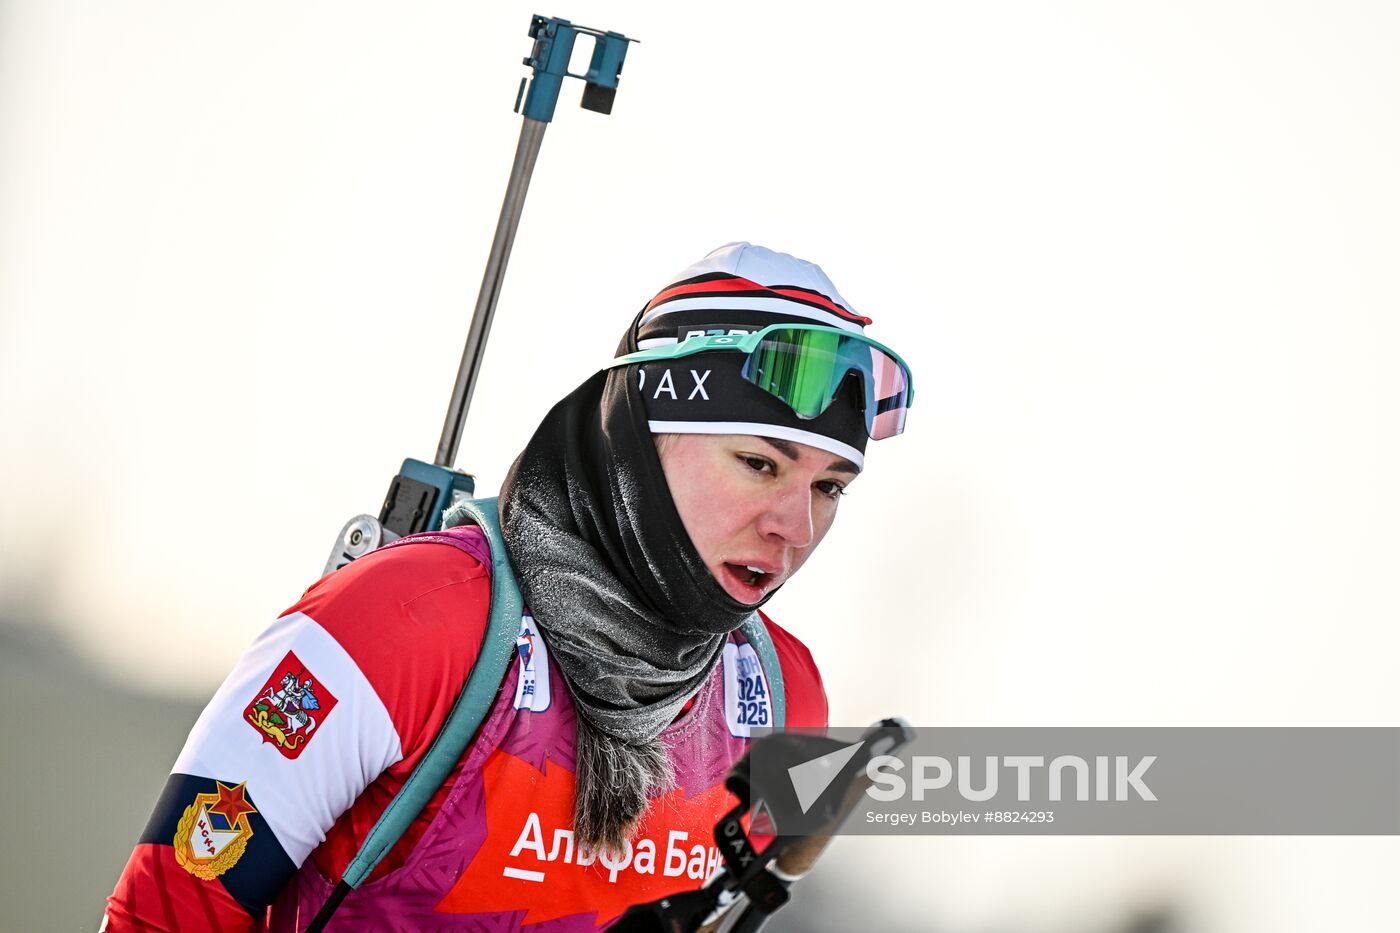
803	365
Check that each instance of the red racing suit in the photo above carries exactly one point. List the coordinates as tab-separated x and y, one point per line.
327	713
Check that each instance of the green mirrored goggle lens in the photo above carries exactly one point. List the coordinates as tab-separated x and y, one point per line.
805	368
799	368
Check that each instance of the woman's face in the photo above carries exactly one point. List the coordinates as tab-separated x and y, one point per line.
755	508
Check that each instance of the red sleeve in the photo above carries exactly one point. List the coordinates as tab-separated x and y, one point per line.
375	653
418	686
802	682
413	618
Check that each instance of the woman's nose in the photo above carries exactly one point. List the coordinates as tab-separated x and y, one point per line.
789	516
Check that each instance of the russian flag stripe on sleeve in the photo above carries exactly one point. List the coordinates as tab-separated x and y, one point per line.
345	689
346	748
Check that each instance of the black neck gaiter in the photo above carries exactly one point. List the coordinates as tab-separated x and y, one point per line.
627	608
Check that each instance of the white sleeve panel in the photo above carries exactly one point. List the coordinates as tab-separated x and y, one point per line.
353	744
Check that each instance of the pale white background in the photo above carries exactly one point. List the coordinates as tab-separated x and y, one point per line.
1140	256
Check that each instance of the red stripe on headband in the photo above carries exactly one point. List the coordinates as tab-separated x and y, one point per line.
739	286
802	294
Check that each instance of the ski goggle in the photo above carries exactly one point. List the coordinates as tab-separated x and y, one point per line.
803	365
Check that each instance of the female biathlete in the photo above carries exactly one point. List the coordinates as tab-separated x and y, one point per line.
653	511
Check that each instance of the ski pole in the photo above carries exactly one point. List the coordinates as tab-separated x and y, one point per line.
421	492
751	885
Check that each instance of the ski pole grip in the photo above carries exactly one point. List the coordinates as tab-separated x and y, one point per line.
797	859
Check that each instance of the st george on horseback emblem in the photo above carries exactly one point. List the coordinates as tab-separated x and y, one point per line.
290	707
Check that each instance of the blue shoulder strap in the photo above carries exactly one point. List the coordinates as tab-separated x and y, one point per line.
474	702
472	705
757	634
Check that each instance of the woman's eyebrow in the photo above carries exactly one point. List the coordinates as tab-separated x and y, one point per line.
789	450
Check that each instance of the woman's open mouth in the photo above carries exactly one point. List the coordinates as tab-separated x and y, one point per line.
747	582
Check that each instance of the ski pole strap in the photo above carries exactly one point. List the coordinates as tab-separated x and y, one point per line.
757	634
472	705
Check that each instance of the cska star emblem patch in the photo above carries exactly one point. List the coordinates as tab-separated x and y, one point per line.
214	831
290	707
